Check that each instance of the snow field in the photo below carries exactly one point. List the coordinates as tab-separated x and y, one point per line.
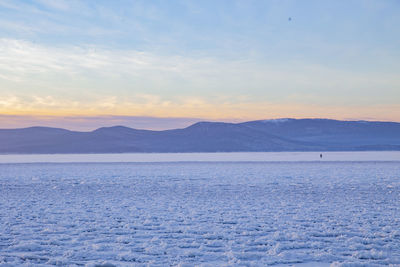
210	214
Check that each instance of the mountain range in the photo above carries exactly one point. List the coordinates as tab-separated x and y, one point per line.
261	135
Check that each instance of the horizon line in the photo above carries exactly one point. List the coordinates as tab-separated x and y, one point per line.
189	125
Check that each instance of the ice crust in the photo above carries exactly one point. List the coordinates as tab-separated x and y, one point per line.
210	214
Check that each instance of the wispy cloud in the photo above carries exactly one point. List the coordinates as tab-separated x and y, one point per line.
112	72
59	4
220	109
94	80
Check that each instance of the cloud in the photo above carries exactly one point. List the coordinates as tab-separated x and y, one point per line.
144	71
59	4
93	80
70	115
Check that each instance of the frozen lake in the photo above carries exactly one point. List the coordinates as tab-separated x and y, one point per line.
207	157
294	212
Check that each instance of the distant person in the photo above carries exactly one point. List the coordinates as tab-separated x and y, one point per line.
320	156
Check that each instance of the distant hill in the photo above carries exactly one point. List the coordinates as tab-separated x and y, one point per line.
265	135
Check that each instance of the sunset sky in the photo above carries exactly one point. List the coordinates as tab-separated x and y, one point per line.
86	64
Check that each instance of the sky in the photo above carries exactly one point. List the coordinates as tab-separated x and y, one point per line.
166	64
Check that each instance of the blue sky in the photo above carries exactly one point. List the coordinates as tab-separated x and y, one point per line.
217	60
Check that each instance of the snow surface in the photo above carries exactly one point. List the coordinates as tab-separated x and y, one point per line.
278	120
206	157
200	213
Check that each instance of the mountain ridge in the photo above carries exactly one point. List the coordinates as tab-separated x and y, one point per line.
284	134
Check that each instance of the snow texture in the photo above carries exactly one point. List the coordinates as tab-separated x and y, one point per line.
200	213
